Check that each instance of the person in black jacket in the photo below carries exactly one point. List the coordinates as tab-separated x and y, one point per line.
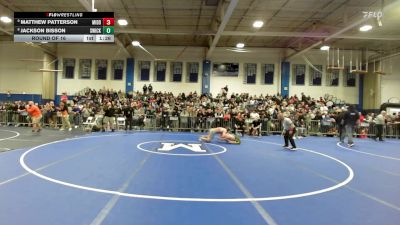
340	125
109	116
350	120
128	112
144	89
64	116
164	118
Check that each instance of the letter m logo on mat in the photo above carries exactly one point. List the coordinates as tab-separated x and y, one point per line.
166	147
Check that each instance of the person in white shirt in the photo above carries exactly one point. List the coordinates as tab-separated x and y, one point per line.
380	121
288	130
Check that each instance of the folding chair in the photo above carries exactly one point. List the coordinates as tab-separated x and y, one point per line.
90	122
120	123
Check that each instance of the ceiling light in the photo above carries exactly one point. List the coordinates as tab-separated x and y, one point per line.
365	28
135	43
258	24
5	19
325	48
122	22
239	45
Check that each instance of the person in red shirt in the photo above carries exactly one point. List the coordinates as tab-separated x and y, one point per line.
363	126
64	97
36	115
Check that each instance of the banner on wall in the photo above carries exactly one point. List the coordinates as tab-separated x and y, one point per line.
226	69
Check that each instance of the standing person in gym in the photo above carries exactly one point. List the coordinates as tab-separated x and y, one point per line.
36	116
65	116
350	120
144	89
380	121
288	130
340	124
128	113
109	117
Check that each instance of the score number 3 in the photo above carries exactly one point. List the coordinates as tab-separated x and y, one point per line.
108	21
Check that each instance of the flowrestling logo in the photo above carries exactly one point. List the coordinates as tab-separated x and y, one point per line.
181	148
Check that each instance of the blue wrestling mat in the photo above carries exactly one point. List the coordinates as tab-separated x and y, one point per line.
156	178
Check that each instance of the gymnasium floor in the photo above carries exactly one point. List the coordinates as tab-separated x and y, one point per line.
131	178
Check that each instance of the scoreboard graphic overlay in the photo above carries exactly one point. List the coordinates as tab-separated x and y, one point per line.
63	27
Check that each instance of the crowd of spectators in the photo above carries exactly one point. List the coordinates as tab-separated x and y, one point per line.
242	112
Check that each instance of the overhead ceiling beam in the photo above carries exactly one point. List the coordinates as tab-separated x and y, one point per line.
316	24
218	15
334	35
199	15
6	6
221	28
128	46
257	34
46	48
309	35
164	14
390	5
158	31
268	22
125	47
6	31
88	7
249	9
384	56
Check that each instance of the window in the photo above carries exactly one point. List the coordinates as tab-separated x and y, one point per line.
298	77
85	68
315	75
251	72
193	72
349	78
118	69
144	70
332	78
101	67
176	71
268	71
69	68
160	71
